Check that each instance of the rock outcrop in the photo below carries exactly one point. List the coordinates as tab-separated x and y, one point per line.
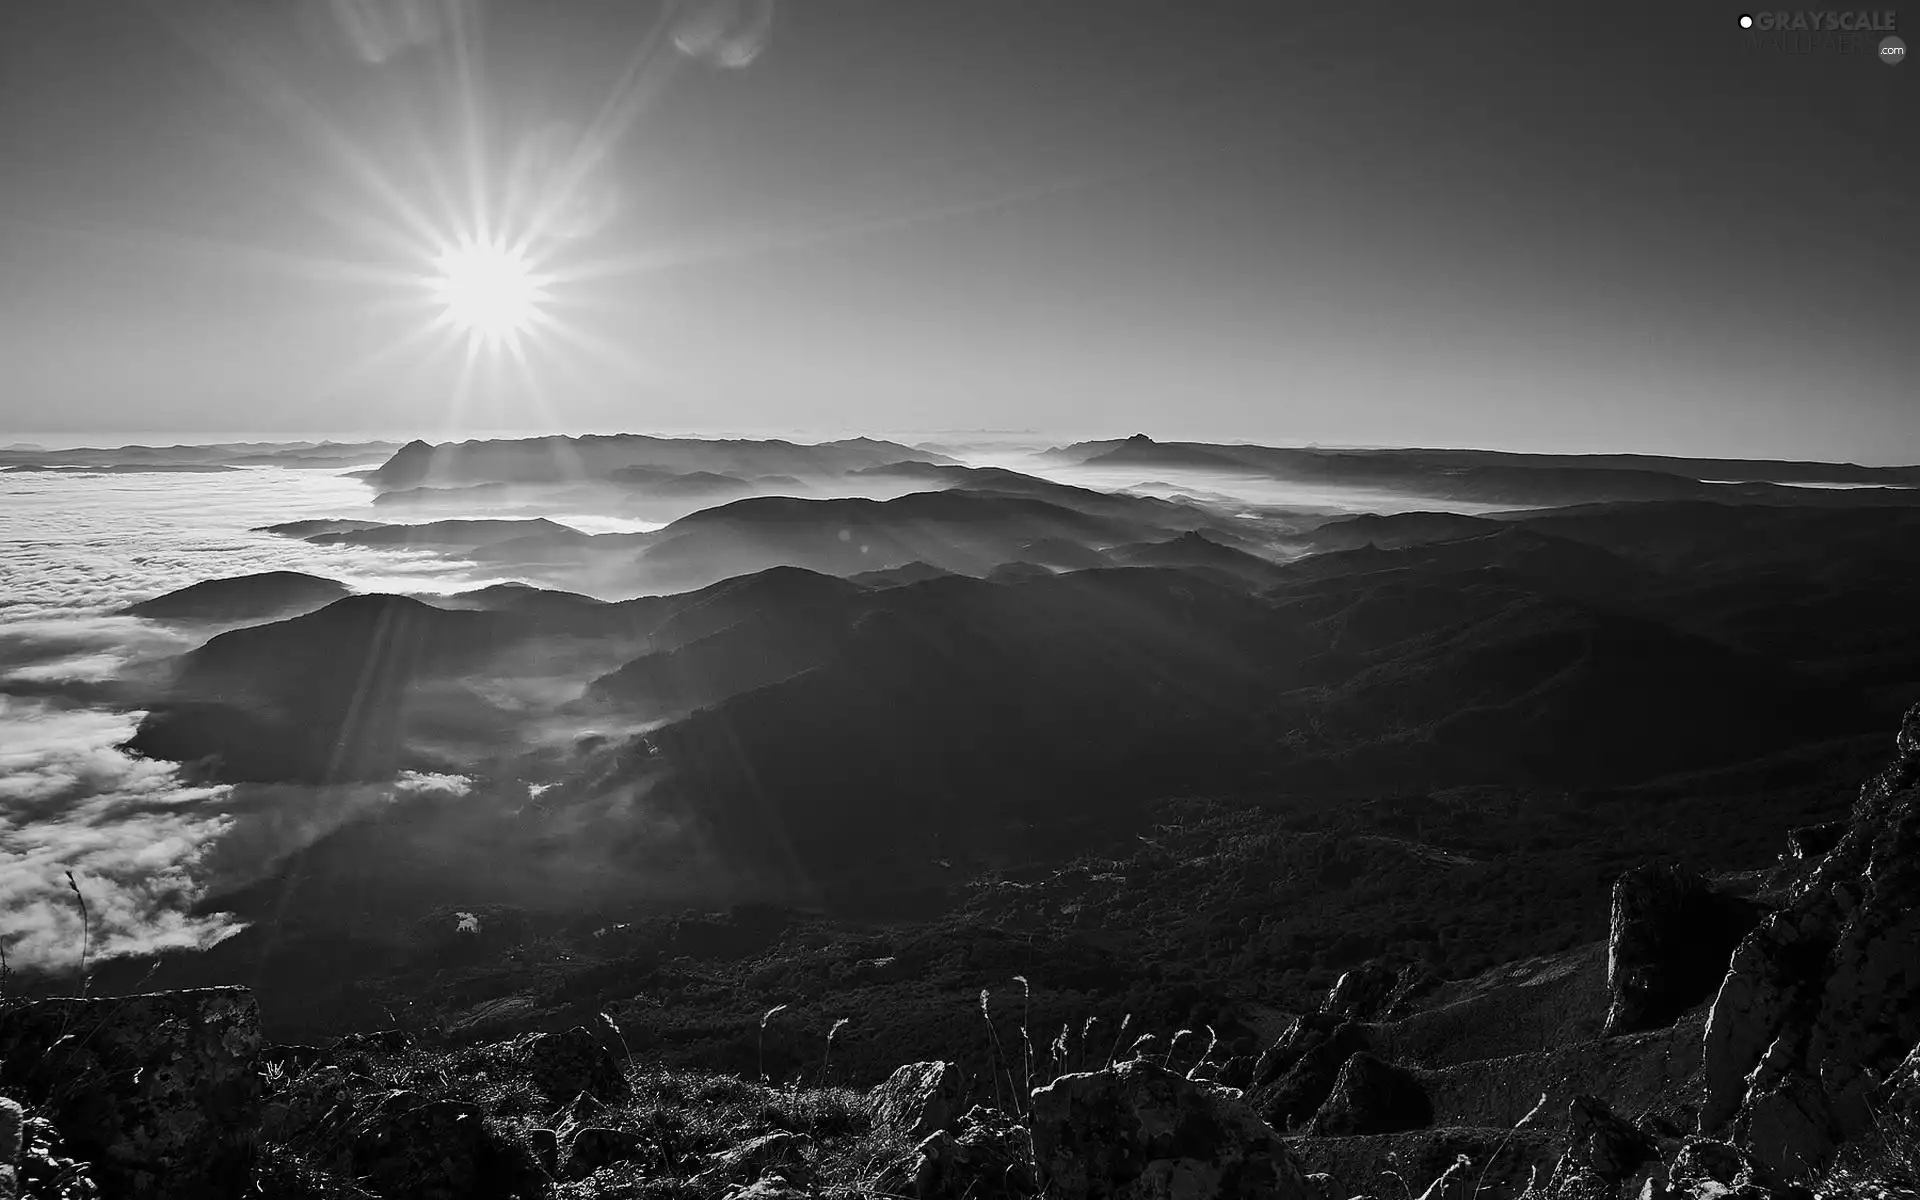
159	1092
987	1156
576	1062
779	1155
917	1100
428	1149
1359	994
1137	1131
1372	1096
1602	1152
13	1127
595	1146
1824	995
1295	1075
1669	937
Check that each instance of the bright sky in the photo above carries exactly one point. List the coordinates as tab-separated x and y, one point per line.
1528	226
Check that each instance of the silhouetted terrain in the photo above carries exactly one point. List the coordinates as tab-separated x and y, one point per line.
560	459
1491	477
243	598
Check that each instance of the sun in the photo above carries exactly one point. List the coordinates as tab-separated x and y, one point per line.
488	290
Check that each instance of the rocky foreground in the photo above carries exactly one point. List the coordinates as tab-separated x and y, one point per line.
1755	1041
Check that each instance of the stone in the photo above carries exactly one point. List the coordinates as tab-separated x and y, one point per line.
1823	998
1359	994
1668	943
917	1100
159	1092
987	1156
47	1169
780	1153
437	1150
1372	1096
597	1146
13	1123
1297	1073
576	1062
770	1189
1706	1169
1603	1153
1139	1132
545	1144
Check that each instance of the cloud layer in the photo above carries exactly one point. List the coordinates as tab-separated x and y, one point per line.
145	845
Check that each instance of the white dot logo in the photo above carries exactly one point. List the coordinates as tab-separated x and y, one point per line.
1893	51
1746	22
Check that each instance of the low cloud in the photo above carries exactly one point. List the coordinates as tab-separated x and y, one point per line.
131	832
145	846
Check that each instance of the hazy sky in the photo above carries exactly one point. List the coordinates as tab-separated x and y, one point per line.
1535	226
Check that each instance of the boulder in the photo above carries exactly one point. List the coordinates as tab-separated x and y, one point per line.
597	1146
1137	1131
1667	945
779	1154
13	1128
1823	998
1705	1169
1603	1151
986	1156
574	1063
1372	1096
545	1144
917	1100
770	1189
160	1092
426	1149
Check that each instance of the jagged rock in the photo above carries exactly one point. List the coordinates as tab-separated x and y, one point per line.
436	1150
545	1144
987	1156
1824	996
918	1099
1668	944
596	1146
159	1092
1603	1151
770	1189
1359	994
1372	1096
13	1121
780	1153
1813	841
1138	1131
1297	1073
48	1169
1705	1169
576	1062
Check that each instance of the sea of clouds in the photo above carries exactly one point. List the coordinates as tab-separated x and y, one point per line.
143	844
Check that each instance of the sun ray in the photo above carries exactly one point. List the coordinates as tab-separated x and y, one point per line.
637	85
